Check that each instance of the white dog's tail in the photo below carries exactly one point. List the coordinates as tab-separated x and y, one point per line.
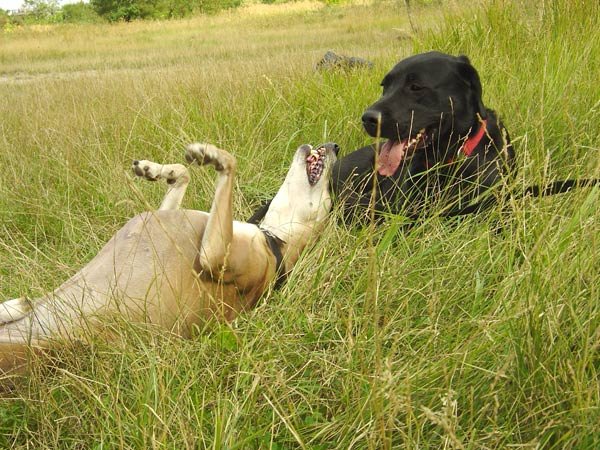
15	309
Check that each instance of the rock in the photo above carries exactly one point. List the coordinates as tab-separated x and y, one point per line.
332	60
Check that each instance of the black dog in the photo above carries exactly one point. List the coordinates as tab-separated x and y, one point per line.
443	145
443	148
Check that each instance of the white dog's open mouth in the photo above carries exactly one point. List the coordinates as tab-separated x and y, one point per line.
315	162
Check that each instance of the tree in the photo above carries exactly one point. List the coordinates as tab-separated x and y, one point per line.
79	13
41	9
126	10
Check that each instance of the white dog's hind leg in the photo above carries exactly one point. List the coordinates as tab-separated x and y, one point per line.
219	228
176	176
15	309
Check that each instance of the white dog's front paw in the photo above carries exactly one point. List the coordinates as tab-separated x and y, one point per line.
152	171
204	154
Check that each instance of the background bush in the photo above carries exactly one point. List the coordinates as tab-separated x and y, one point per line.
79	13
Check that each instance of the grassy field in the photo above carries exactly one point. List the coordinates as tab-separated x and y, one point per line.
450	336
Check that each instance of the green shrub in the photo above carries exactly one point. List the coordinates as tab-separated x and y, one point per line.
79	13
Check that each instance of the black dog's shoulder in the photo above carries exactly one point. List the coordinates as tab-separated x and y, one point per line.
356	163
496	141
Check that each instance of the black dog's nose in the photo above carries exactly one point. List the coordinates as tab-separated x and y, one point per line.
372	120
371	117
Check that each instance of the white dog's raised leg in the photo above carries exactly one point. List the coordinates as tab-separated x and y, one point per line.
219	229
176	176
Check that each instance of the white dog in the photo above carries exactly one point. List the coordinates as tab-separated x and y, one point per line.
174	267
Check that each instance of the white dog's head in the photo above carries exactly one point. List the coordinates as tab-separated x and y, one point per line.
304	199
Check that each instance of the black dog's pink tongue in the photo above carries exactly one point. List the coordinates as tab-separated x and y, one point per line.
390	156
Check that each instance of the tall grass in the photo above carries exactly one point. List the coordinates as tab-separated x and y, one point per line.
476	333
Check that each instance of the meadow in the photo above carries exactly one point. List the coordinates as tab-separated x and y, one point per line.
457	334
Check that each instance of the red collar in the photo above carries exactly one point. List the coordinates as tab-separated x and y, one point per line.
470	144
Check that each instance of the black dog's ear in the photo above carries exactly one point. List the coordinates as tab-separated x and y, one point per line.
464	58
471	77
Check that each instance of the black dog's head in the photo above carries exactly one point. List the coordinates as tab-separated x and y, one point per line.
429	100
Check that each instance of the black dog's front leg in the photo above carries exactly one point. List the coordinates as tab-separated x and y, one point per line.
352	185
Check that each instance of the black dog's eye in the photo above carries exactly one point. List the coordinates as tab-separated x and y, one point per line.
415	87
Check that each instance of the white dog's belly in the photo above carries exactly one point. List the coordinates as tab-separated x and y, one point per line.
144	273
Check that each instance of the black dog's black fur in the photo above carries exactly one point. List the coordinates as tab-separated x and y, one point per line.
442	96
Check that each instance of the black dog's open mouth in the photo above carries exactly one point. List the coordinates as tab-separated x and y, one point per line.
315	162
393	152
